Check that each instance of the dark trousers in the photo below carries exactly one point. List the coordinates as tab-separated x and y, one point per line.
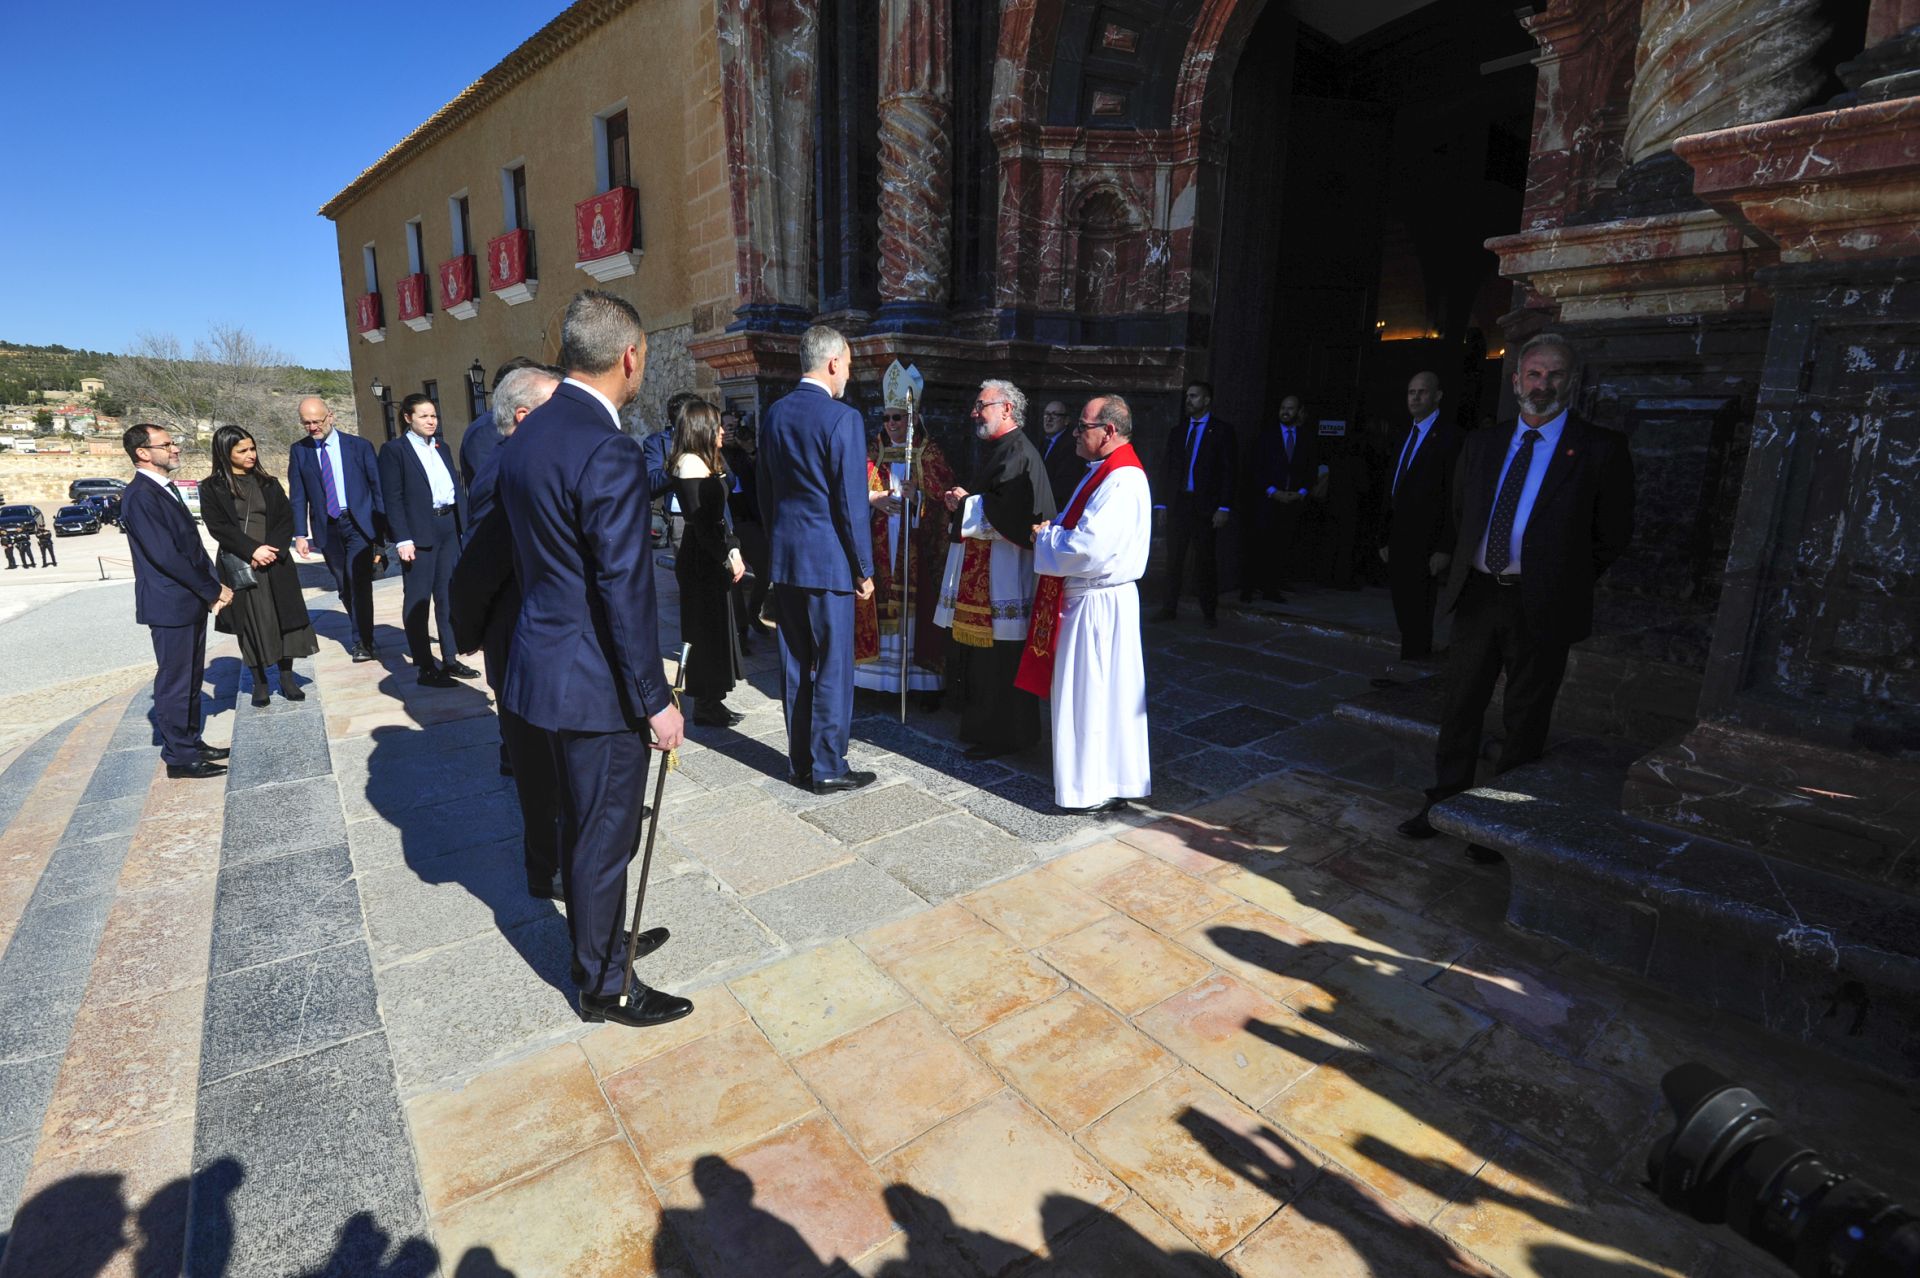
1491	636
996	715
349	557
816	678
46	556
748	600
1415	591
526	749
602	787
429	579
1277	545
180	659
1190	531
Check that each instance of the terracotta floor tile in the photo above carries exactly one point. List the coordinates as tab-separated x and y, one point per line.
894	1079
1072	1058
59	1234
1386	1017
1088	865
1409	880
506	1123
1576	1111
1524	1206
1407	944
1260	948
129	1066
891	942
782	1205
592	1216
1564	1014
1196	845
1133	1242
1408	1141
977	980
816	996
1243	1040
1203	1160
154	942
1035	908
982	1179
1124	964
708	1097
1157	894
1279	829
1338	1230
1285	889
612	1048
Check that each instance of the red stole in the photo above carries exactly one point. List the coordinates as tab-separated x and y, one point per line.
1050	597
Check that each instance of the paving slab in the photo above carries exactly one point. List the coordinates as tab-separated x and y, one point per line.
279	749
273	820
947	856
107	817
292	904
876	811
275	1011
713	932
833	902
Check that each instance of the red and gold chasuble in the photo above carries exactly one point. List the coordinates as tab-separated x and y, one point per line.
880	615
1050	598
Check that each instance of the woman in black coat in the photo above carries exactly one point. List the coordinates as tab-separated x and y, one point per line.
246	511
708	563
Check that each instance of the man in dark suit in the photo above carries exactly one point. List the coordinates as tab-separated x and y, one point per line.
486	601
584	669
1419	496
1539	512
1065	467
173	591
1286	479
485	434
813	502
333	485
426	511
1196	491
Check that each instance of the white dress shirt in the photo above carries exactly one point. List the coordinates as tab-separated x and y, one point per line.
1536	471
606	403
439	478
822	385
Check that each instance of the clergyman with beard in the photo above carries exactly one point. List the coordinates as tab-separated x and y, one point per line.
1539	512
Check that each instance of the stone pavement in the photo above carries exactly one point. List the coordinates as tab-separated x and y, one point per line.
310	1022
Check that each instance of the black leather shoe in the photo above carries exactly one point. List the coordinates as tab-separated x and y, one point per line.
721	718
849	781
438	679
461	670
649	941
200	771
553	890
1417	826
649	1007
262	695
213	754
364	654
1480	854
1094	809
292	691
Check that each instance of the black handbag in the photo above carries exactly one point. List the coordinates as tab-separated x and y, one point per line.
236	573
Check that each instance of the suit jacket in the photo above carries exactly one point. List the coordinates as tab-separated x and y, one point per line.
813	492
1213	469
1418	513
1582	521
223	520
476	445
409	497
1065	467
307	492
655	448
485	593
586	648
745	501
173	582
1274	469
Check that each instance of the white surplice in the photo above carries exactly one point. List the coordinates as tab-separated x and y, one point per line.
1009	572
1099	697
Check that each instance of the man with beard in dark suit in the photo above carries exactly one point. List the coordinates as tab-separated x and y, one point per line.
1540	510
1196	491
1417	551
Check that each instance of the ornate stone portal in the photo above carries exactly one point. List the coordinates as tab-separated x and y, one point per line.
916	172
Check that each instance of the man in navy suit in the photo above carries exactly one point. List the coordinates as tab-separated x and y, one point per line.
333	485
1286	479
1419	494
1196	491
584	670
426	511
485	434
173	591
813	503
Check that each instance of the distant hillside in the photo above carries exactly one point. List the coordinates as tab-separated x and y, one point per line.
25	368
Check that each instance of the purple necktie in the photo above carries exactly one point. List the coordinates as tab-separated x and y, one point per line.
326	479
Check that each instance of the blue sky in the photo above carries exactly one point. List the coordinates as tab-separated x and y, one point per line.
163	163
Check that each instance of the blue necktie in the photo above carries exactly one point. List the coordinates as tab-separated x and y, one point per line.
1507	506
326	480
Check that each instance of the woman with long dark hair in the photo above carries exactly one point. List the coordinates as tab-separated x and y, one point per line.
246	511
707	564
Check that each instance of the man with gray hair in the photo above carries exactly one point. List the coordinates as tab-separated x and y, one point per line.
987	590
584	671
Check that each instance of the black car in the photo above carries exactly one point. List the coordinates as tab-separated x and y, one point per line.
27	517
74	520
80	488
105	508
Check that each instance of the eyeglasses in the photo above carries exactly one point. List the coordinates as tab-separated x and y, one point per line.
169	444
982	405
1081	428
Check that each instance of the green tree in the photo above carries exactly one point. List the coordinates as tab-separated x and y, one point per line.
43	421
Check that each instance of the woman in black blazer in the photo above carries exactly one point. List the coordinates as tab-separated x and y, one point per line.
246	511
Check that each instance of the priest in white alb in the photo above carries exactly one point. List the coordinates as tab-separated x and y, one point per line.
1083	643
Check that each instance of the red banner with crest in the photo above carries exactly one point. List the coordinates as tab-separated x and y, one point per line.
456	280
412	292
507	259
603	224
367	312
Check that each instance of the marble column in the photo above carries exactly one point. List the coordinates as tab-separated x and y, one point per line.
766	96
1890	66
916	164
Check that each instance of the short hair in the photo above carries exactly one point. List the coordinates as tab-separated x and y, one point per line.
1540	341
1115	413
1016	402
519	389
597	330
512	366
1202	383
134	438
820	344
411	405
